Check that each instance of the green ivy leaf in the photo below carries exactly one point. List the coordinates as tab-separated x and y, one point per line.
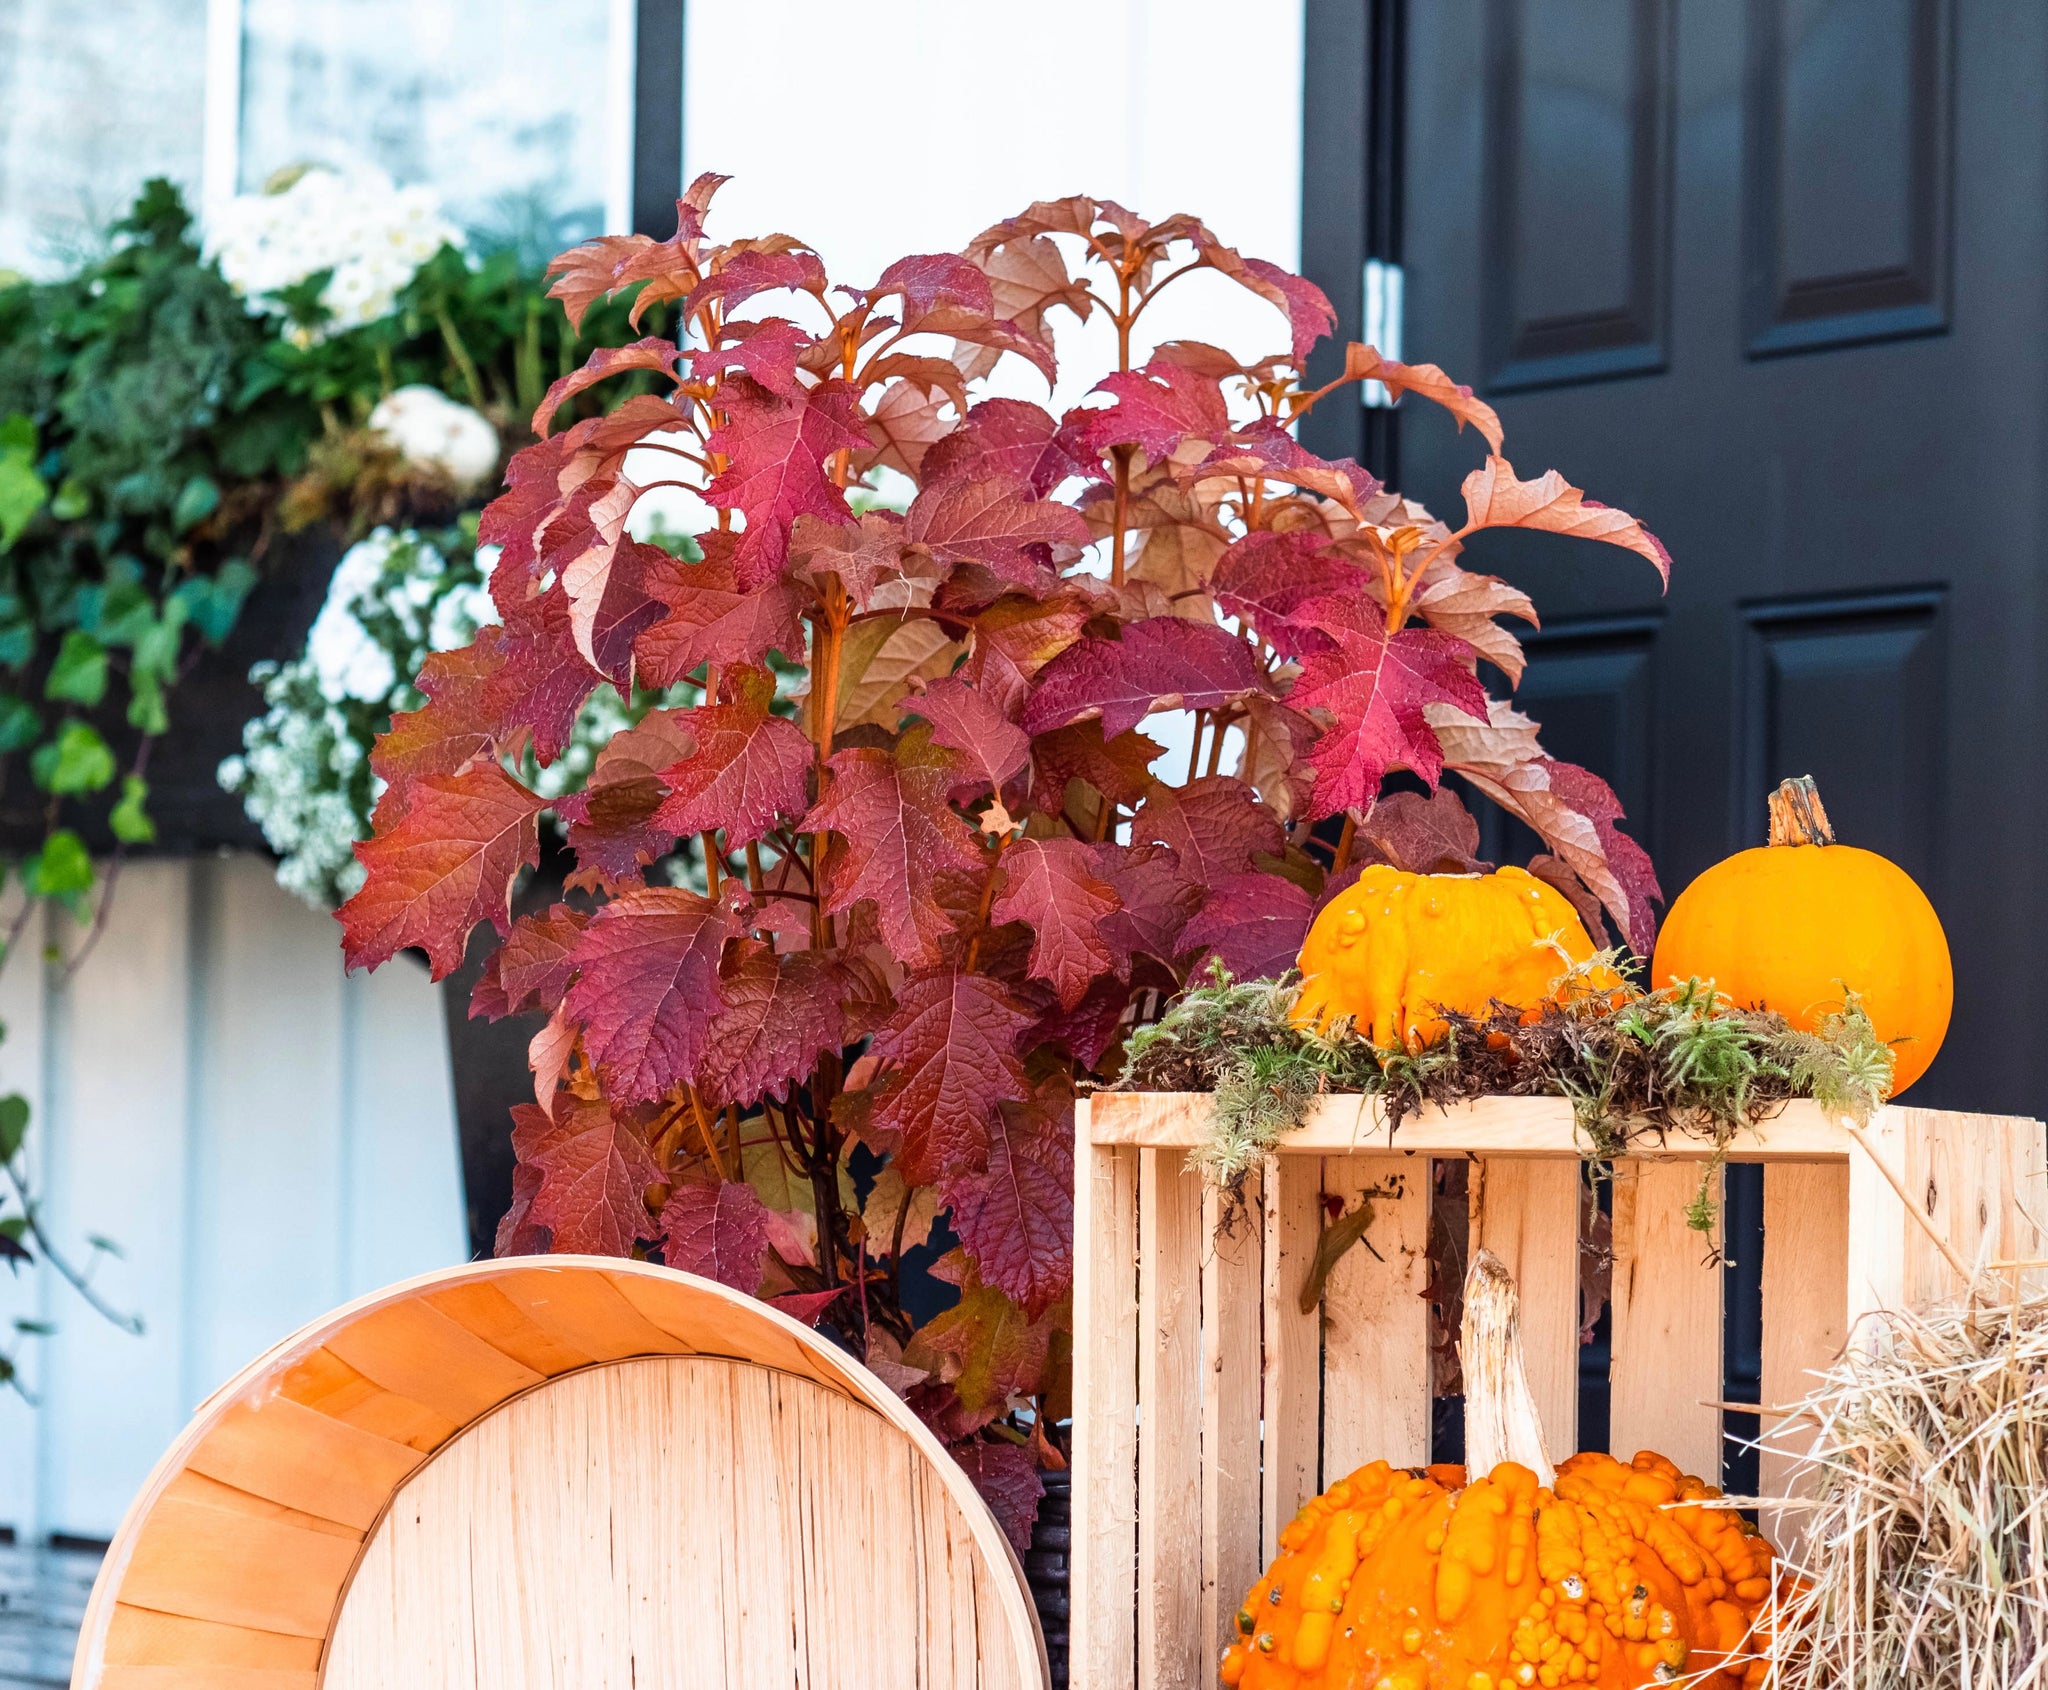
198	500
77	760
130	818
17	642
13	1125
72	500
214	602
14	1227
20	725
80	672
61	869
22	491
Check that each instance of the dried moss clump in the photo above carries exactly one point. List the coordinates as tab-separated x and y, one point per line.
1926	1553
1676	1060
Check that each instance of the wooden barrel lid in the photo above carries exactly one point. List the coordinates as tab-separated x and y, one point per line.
566	1471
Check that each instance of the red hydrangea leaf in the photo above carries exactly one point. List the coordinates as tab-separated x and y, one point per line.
781	1015
1007	1477
531	969
647	987
1094	1024
1005	440
716	1231
1051	886
610	604
1119	768
805	1307
1433	834
1253	923
952	1046
1029	276
543	681
447	864
867	555
1016	1216
1264	578
1157	895
1157	407
594	1174
517	1234
710	619
998	524
1015	638
653	353
613	262
1495	499
1310	315
748	766
986	1348
905	421
1556	873
1364	363
1215	825
611	823
767	350
895	833
1161	663
1376	686
543	478
745	273
966	720
933	281
775	451
1464	606
1265	450
448	730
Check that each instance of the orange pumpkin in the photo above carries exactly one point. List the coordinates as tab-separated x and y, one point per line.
1788	925
1601	1574
1395	947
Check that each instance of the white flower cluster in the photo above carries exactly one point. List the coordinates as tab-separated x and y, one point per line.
371	234
428	427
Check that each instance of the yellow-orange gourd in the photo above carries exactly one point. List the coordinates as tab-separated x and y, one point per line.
1394	947
1608	1574
1788	925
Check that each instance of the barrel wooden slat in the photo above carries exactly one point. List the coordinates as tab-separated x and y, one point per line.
1525	1209
1375	1321
1232	1265
640	1497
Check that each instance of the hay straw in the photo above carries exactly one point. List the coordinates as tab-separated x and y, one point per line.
1926	1559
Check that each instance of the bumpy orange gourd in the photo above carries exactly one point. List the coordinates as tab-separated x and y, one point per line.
1394	947
1404	1579
1786	926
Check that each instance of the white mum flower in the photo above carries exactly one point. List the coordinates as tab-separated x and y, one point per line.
428	427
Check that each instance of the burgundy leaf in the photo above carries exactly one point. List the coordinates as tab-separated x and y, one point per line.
1157	895
867	555
1004	440
1088	1030
1119	768
1421	835
531	969
653	353
717	1231
996	523
748	768
612	823
1215	825
543	680
952	1047
1051	886
1266	577
964	719
647	988
781	1015
805	1307
1253	923
594	1174
934	281
444	734
710	619
775	471
1157	407
767	350
1016	1216
1008	1480
1264	450
748	272
1161	663
1015	638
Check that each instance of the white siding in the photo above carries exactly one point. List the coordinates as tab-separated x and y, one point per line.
263	1137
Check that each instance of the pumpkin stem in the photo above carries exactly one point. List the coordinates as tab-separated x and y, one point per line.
1501	1423
1796	814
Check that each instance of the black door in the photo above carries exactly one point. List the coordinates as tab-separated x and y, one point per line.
1773	276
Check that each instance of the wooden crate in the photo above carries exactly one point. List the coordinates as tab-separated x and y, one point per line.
567	1470
1208	1407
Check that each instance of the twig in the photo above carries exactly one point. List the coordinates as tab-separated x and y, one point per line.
80	1282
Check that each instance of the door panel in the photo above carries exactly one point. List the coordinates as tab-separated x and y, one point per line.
1858	530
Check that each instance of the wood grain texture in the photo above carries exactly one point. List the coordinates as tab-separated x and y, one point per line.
1102	1559
1292	1378
1526	1211
1375	1322
249	1539
1805	1322
1170	1639
1667	1321
1345	1122
1232	1266
793	1538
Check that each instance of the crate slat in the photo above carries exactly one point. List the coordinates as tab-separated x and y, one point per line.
1232	1277
1170	1641
1102	1636
1293	1369
1375	1322
1525	1209
1667	1320
1805	1320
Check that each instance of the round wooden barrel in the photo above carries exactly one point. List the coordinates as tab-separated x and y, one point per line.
558	1473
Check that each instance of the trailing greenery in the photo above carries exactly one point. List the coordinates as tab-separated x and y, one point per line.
1677	1060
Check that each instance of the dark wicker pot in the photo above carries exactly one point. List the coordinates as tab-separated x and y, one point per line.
1045	1566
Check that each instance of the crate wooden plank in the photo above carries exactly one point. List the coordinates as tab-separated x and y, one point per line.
1805	1321
1344	1123
1293	1367
1667	1321
1170	1642
1525	1210
1102	1635
1375	1321
1232	1266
